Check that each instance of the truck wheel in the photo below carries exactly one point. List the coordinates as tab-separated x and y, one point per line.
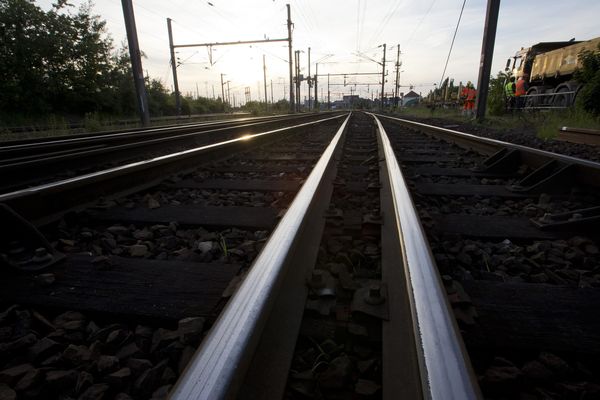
562	98
531	102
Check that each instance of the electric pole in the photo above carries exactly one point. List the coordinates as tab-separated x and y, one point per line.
289	26
228	97
316	83
223	92
298	80
487	51
397	77
136	62
265	80
174	67
271	91
309	83
328	94
382	78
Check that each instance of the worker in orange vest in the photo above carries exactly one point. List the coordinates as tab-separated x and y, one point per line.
463	97
521	90
470	95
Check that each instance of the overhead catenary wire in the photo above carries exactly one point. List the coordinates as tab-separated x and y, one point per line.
358	25
362	23
420	22
389	15
452	44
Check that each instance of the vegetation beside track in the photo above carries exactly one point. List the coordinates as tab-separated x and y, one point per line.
544	125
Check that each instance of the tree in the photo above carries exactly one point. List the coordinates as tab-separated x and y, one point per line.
589	74
496	101
54	61
23	55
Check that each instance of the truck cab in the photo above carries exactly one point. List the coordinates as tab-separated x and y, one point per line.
523	61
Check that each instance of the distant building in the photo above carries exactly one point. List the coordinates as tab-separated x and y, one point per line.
410	99
350	101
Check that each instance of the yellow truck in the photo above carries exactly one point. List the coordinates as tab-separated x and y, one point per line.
549	67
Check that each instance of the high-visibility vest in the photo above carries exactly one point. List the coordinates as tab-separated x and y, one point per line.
471	94
509	89
521	88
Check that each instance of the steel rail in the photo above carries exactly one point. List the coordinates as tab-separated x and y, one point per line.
588	172
33	161
218	367
32	144
444	365
127	122
579	135
42	203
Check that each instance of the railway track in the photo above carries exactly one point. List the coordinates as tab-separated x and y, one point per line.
315	273
35	161
203	228
579	135
515	235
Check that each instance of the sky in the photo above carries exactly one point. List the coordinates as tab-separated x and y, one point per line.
345	37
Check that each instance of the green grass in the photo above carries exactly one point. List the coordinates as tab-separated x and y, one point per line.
424	112
548	124
545	123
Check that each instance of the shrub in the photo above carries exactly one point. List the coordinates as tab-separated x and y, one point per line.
588	98
496	103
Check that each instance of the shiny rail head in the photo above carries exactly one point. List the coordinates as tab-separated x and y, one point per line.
219	365
493	142
138	165
445	367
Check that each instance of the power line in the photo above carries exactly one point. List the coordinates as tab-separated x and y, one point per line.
420	22
362	23
452	44
392	10
357	25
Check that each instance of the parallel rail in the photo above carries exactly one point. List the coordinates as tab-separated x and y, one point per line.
31	164
220	365
585	172
26	150
49	201
444	364
579	135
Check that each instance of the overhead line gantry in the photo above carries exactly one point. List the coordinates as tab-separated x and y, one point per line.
173	46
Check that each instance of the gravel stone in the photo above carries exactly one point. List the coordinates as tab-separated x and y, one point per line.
190	329
138	366
536	371
11	375
127	351
18	344
6	393
95	392
337	373
138	250
107	364
43	349
84	381
119	378
77	355
61	379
